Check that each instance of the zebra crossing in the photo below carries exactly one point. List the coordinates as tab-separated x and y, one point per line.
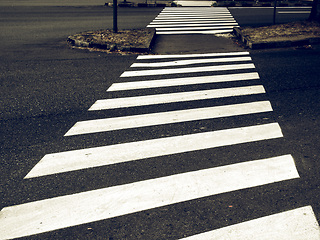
189	20
161	81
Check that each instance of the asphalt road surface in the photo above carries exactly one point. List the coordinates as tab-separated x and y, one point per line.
158	146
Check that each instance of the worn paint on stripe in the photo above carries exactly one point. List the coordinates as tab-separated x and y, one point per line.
296	224
187	70
175	97
189	62
110	124
71	210
192	55
112	154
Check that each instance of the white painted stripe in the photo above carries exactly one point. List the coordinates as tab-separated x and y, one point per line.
71	210
122	86
192	55
184	12
187	70
193	25
189	62
194	32
110	124
186	15
113	154
194	9
191	17
175	97
193	28
194	3
193	12
192	22
295	224
294	12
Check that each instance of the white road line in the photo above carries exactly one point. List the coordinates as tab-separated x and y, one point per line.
71	210
191	17
188	9
195	32
194	61
293	12
192	25
191	22
132	151
122	86
187	70
194	20
175	97
190	13
192	55
192	28
110	124
295	224
174	9
187	15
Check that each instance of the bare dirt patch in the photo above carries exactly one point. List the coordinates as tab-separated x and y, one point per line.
294	31
124	41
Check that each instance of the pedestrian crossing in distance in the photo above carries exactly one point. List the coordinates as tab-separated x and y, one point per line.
224	93
186	20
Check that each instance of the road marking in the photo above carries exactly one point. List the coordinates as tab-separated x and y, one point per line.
182	81
189	62
294	12
191	17
193	28
192	55
194	32
194	3
191	22
71	210
132	151
296	224
110	124
112	103
193	25
213	19
141	73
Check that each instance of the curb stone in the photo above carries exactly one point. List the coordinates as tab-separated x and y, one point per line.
276	44
113	47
